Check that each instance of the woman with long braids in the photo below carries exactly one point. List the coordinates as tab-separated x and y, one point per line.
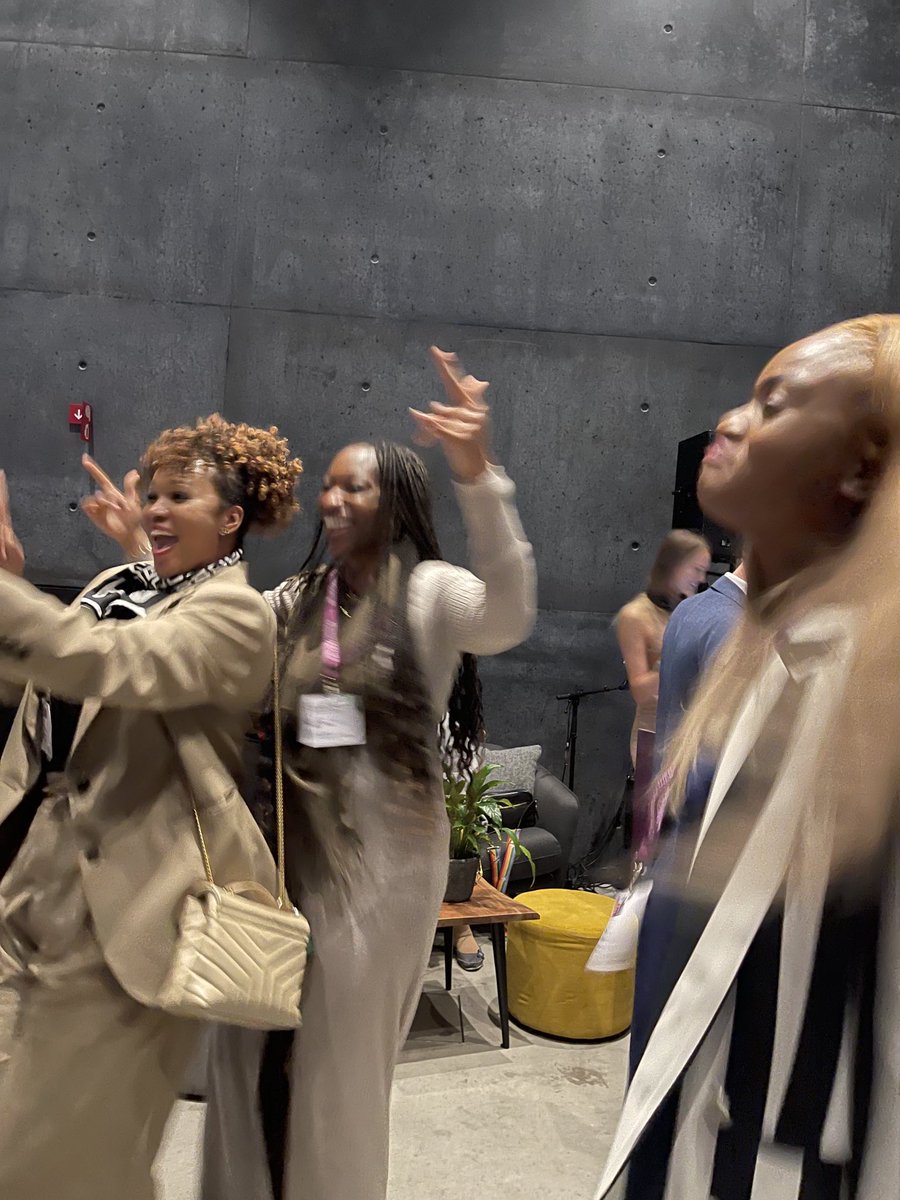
133	707
376	645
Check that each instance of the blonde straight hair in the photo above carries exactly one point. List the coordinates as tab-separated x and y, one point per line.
860	769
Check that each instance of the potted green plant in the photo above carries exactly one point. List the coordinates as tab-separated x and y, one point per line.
476	823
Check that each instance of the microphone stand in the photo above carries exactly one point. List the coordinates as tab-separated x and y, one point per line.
573	699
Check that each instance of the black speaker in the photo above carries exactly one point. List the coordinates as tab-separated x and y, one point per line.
686	511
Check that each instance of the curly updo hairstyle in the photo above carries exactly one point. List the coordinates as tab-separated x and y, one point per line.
252	467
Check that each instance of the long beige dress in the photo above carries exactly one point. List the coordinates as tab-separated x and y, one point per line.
371	933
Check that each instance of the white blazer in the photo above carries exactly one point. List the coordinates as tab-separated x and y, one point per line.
786	848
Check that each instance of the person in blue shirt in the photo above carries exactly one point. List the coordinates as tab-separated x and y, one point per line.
696	630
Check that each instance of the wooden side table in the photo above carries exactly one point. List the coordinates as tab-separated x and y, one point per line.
486	906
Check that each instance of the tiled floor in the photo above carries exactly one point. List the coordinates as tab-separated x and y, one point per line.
470	1120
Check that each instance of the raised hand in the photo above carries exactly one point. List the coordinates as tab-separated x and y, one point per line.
12	556
116	513
461	427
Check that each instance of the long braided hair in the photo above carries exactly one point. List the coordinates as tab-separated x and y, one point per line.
406	502
407	515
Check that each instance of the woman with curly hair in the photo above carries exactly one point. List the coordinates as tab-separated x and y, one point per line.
773	1071
376	646
134	703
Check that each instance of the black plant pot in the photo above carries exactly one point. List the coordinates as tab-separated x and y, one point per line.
461	877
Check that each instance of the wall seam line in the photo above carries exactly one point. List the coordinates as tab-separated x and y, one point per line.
649	336
783	102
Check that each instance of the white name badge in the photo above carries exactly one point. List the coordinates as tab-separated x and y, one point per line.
331	720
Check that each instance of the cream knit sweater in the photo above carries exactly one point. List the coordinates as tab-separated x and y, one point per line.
451	610
483	611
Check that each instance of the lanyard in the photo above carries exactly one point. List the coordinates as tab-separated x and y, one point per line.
331	649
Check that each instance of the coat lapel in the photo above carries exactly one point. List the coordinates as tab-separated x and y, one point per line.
92	706
728	588
761	699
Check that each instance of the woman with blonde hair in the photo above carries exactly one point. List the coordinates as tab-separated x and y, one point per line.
773	1072
134	702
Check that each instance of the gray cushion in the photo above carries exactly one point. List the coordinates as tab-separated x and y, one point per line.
516	768
520	811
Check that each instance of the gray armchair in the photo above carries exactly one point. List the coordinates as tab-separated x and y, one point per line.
549	840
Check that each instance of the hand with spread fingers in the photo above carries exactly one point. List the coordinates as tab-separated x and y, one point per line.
461	427
12	556
115	512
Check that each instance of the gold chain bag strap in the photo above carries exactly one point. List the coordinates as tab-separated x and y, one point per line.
241	952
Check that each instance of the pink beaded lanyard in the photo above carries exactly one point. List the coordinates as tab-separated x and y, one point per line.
331	647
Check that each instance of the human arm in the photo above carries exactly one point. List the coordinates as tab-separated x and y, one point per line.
492	607
212	646
12	556
643	681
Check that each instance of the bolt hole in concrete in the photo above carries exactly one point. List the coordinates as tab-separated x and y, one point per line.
82	366
645	407
366	386
383	129
101	106
635	545
660	154
652	281
92	237
73	506
374	259
668	28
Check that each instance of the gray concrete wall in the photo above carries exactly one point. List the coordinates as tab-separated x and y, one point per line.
612	208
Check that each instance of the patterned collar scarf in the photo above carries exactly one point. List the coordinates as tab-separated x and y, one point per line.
137	587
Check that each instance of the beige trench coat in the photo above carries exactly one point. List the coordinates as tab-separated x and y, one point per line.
89	1068
202	658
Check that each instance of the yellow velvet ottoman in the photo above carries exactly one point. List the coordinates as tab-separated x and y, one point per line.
549	989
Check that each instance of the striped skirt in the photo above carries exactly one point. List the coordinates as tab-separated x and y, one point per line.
824	1130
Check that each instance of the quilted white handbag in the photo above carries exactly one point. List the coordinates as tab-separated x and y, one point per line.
241	952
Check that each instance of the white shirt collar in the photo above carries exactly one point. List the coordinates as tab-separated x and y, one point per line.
736	580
